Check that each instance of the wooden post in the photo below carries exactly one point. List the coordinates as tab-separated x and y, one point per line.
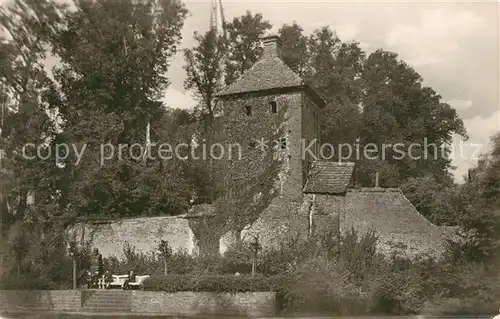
376	179
255	246
74	272
254	259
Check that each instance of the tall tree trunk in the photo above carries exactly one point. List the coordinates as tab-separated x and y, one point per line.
165	266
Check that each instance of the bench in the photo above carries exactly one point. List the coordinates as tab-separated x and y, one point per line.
139	280
119	281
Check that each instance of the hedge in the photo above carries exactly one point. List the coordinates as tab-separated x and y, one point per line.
214	283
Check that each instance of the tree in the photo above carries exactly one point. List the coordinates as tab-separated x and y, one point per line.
244	49
335	73
27	26
435	200
115	58
204	70
165	252
479	209
397	108
294	48
255	247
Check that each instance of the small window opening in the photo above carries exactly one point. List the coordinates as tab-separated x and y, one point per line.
273	106
252	145
248	110
283	143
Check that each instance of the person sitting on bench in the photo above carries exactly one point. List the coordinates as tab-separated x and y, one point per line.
131	278
108	278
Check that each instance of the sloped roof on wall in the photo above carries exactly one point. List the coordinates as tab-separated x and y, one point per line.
201	210
384	209
328	177
391	215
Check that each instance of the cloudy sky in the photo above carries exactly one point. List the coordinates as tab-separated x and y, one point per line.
453	45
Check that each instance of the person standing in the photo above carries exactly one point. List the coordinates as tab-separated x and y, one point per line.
96	265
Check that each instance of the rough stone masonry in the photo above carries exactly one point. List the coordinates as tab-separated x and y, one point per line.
308	195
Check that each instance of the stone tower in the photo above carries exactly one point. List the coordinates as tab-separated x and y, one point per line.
270	97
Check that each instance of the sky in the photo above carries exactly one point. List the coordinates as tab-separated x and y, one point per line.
453	45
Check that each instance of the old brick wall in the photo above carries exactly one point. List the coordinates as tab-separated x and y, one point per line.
254	304
142	233
50	300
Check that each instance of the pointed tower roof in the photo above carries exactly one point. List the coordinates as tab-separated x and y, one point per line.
270	74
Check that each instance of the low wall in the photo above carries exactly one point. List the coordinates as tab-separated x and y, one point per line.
254	304
45	300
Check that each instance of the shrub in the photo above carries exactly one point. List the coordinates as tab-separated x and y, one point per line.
213	283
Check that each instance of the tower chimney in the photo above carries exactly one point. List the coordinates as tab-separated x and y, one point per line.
272	46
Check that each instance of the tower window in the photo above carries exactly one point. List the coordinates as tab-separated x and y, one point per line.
248	109
252	145
273	106
283	143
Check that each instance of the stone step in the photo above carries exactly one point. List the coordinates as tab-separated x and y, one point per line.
109	308
103	297
106	310
107	301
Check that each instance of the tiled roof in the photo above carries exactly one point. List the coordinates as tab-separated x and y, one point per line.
328	177
268	73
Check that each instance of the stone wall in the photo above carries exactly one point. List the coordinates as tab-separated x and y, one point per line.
142	233
310	132
387	211
43	300
396	222
262	124
253	304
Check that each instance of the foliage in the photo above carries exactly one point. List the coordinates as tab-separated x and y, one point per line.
397	108
294	48
434	199
212	283
111	80
479	210
114	61
204	69
244	50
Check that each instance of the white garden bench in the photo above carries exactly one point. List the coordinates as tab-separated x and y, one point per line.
119	281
